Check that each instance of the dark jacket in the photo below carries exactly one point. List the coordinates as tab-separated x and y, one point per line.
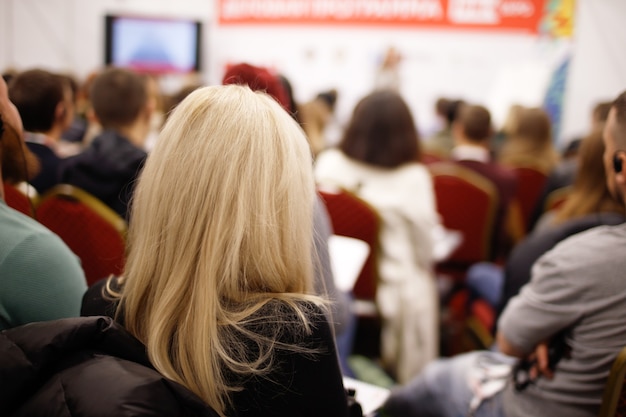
300	384
107	169
85	367
49	163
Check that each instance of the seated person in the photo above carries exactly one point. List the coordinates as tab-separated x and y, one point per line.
222	296
40	278
46	108
108	167
589	205
472	133
378	159
574	303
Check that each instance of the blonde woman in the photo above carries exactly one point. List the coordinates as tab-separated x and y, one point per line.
529	141
218	281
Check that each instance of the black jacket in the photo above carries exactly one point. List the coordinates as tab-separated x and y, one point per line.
107	169
85	367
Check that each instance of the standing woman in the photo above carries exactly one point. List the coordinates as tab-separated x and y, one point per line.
218	281
378	160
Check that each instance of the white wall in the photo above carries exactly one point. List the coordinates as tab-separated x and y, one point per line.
598	71
493	69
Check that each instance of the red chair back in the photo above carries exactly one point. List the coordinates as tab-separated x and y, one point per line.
467	202
94	232
530	184
17	200
353	217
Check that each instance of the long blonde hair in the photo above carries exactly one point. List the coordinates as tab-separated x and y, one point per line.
590	193
530	141
221	225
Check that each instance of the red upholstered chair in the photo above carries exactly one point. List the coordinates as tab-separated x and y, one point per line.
467	202
17	199
614	398
94	232
530	184
353	217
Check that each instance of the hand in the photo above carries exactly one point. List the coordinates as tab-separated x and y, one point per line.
541	362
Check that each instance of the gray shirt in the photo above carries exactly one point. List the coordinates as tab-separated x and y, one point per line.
580	285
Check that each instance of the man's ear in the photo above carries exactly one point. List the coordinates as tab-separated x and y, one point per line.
60	111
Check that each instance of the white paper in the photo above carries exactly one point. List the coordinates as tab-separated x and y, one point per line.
347	257
371	397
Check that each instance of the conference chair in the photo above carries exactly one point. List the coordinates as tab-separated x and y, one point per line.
352	217
17	200
614	397
530	184
466	202
94	232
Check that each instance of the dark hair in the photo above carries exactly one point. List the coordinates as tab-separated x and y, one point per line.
448	109
118	96
382	131
329	97
475	122
36	94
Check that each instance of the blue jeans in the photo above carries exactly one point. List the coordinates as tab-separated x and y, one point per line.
442	390
487	281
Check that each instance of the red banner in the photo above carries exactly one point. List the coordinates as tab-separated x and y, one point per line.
501	15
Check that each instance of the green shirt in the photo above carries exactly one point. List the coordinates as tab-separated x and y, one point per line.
40	278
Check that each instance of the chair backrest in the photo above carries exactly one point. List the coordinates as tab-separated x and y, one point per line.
530	184
353	217
17	200
94	232
614	397
556	198
467	202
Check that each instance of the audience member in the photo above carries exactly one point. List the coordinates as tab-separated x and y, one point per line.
564	173
315	116
45	103
589	205
507	129
108	167
260	79
565	309
472	132
40	278
88	367
530	142
442	142
378	160
222	295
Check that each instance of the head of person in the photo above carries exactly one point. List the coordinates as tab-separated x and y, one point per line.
382	131
45	100
221	227
533	127
17	163
258	79
600	113
615	147
120	98
473	125
590	193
